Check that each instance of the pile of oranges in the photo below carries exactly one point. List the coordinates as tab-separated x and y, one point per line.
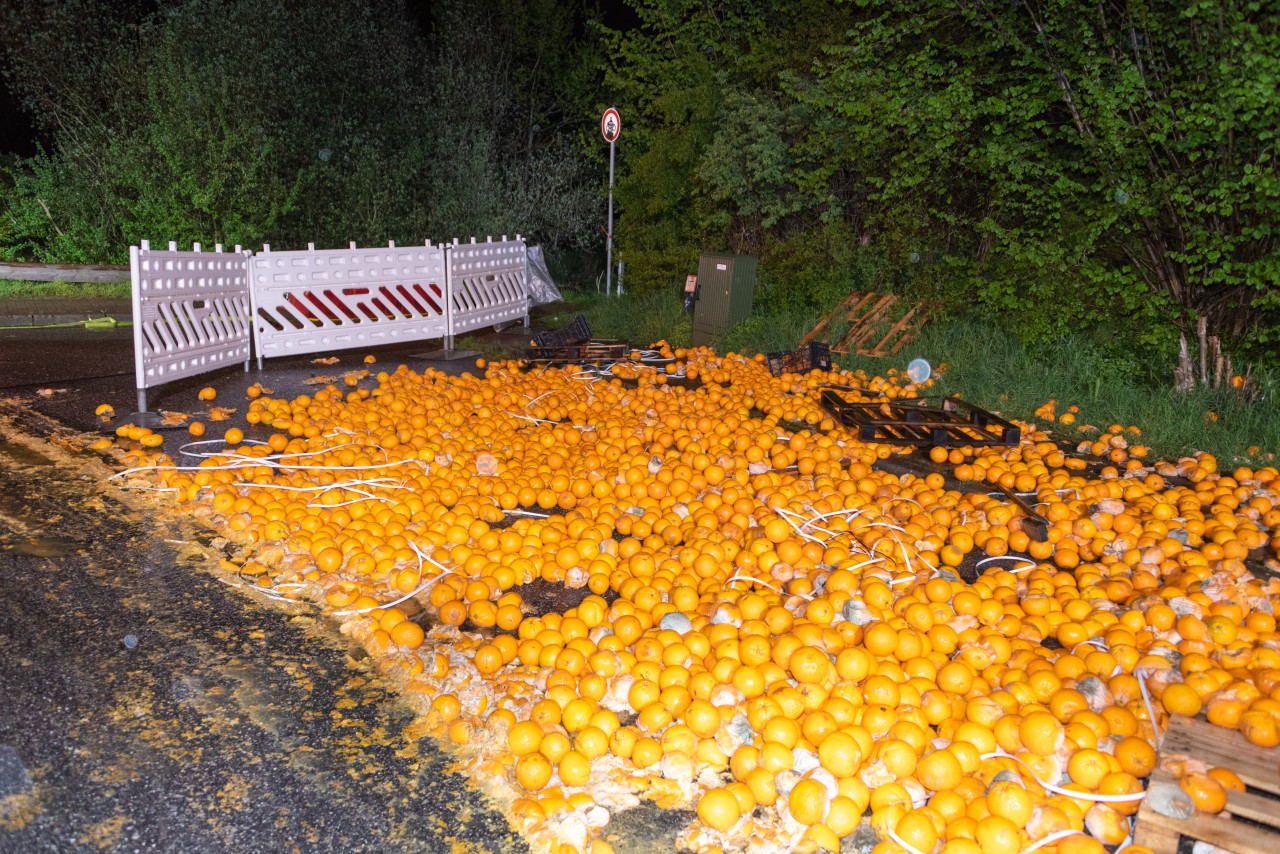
767	628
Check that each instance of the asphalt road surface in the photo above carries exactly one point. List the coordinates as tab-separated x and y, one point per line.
146	706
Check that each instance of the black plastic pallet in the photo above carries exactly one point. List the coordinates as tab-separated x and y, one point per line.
576	332
950	423
814	356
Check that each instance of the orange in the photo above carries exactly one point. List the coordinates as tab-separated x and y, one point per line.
1136	756
781	730
763	788
998	835
854	664
533	771
880	639
591	742
407	634
719	809
1221	629
1081	844
453	613
808	801
916	829
488	658
647	751
840	754
1260	728
1206	793
574	768
1225	709
1227	778
843	816
775	757
554	746
329	560
1179	698
809	665
1041	733
1106	824
1087	767
703	718
939	770
1011	800
1122	783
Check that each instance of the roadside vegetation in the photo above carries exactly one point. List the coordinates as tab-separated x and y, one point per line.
21	289
983	360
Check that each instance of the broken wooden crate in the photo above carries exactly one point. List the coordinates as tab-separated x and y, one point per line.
1251	822
879	324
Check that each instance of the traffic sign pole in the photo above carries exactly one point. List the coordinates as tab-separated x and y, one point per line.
608	251
610	127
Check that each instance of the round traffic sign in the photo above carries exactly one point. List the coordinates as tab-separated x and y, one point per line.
610	125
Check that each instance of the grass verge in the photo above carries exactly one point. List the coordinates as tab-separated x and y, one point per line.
987	366
19	289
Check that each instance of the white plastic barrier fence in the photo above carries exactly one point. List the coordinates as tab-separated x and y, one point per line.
190	313
331	299
488	284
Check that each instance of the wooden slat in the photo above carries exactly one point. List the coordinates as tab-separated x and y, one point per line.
1262	810
1160	838
863	301
866	313
865	327
926	312
28	272
894	330
855	317
822	324
877	312
1259	768
1160	833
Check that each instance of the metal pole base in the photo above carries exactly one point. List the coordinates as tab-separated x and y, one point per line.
143	417
150	420
446	355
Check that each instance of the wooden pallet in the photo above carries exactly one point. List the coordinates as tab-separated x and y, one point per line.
590	352
879	324
1253	826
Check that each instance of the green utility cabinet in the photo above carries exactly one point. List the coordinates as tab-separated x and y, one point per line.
726	284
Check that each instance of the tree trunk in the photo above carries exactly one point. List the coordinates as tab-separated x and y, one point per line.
1184	375
1202	333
